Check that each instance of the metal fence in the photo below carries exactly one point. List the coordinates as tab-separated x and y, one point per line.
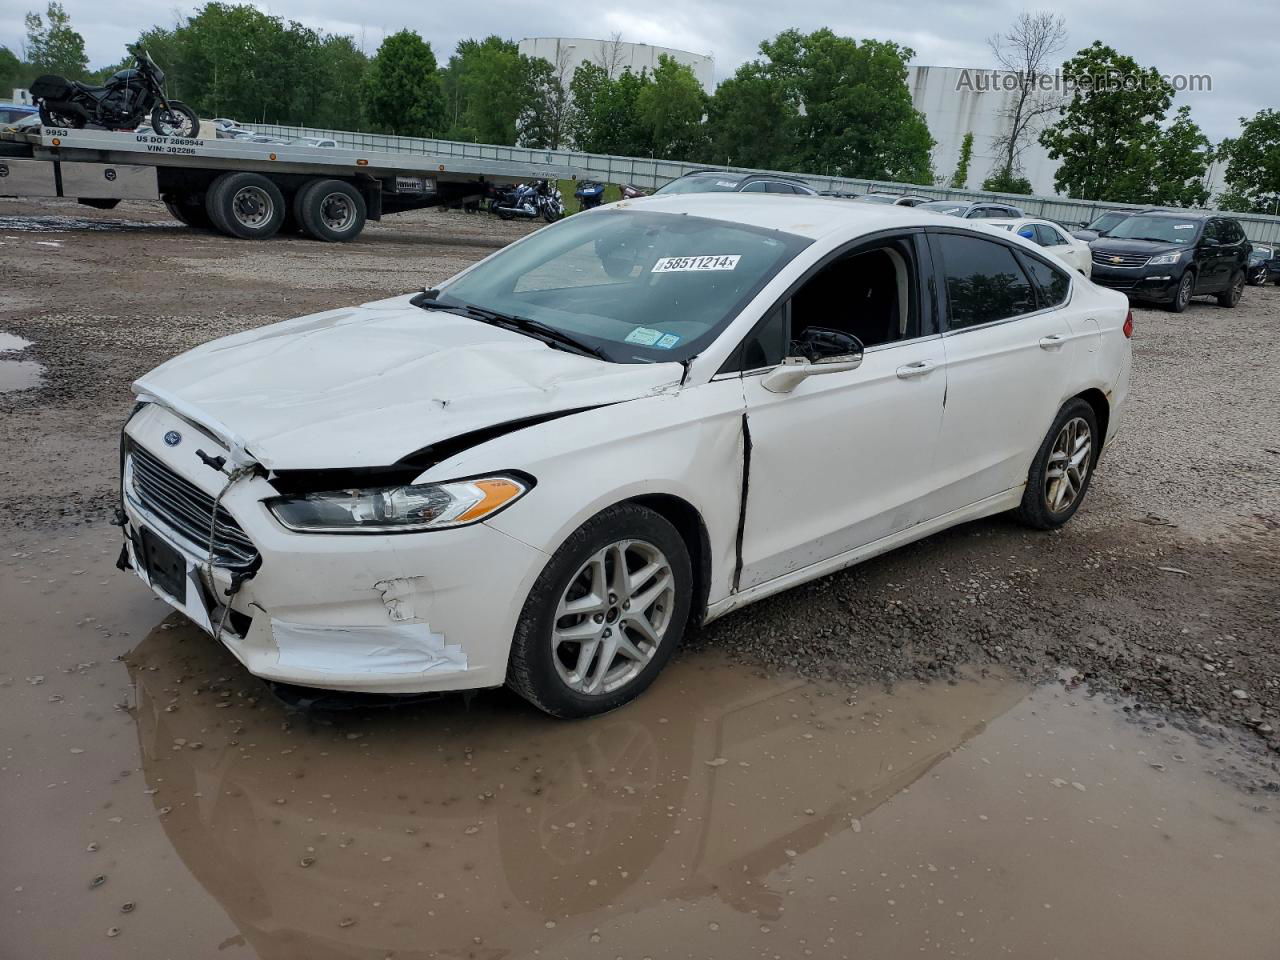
650	173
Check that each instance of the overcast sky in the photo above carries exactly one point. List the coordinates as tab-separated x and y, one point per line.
1233	41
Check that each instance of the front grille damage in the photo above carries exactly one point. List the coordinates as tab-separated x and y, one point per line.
186	509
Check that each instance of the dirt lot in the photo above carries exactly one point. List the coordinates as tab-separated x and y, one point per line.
1162	595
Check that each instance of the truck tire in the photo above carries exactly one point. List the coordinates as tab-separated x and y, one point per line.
245	205
192	214
330	210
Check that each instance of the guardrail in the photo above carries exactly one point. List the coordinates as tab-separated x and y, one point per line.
651	173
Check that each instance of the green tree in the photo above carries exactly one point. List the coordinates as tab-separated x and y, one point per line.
852	110
13	71
750	120
544	116
606	112
669	112
403	93
1002	181
1182	154
1109	139
960	178
52	44
1253	165
487	84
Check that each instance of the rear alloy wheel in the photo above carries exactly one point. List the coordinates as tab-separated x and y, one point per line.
1182	296
245	205
604	616
1258	277
1060	475
330	210
1231	296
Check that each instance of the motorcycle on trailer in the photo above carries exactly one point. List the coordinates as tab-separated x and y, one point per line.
126	99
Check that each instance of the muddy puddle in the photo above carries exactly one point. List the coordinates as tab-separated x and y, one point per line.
726	814
15	373
61	224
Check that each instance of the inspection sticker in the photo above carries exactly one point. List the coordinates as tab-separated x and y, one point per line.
668	341
644	336
712	262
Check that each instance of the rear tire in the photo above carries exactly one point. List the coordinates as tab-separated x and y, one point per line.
52	118
546	664
330	210
1063	467
1231	296
245	205
192	214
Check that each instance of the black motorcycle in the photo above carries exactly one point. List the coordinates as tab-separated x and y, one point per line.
128	97
528	202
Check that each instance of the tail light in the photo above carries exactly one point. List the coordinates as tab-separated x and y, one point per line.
1128	324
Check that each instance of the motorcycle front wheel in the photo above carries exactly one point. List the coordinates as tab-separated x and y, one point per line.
51	117
178	121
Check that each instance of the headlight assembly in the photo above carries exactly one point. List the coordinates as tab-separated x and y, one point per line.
403	509
1165	258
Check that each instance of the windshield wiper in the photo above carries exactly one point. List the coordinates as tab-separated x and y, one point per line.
551	336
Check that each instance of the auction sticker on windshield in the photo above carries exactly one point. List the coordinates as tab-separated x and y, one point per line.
712	262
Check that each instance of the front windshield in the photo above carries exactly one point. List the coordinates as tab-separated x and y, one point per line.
948	207
1161	229
1108	220
717	183
640	287
878	198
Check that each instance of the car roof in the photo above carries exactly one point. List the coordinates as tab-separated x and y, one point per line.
804	216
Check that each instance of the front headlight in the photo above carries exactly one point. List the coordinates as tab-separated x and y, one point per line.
1165	258
405	509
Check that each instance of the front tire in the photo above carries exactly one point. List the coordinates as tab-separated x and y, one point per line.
1060	474
1231	296
1182	296
604	616
178	121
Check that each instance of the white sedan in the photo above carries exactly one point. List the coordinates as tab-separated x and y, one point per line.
617	428
1071	250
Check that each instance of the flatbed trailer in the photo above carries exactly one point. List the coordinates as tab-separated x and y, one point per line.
247	190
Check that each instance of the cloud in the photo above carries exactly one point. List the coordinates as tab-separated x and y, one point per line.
1245	66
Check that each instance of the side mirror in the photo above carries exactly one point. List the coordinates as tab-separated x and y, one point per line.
792	371
1210	242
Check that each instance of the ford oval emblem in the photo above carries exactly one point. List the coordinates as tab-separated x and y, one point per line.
172	438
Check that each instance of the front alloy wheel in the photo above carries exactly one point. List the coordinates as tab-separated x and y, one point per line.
605	614
613	617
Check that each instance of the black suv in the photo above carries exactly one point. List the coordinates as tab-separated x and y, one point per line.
723	181
1168	257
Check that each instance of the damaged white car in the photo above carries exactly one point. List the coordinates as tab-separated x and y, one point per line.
546	471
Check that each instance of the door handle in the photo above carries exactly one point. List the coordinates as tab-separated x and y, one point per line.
909	371
1053	341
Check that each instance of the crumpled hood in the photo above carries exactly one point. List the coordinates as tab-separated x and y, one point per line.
367	386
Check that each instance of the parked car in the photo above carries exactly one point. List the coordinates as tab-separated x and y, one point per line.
225	123
723	181
839	194
1102	223
1264	264
897	199
315	142
636	419
1168	257
234	133
973	209
266	138
1075	253
13	112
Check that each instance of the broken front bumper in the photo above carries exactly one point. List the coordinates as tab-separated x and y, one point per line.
407	613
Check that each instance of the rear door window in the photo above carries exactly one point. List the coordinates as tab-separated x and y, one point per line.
983	280
1052	283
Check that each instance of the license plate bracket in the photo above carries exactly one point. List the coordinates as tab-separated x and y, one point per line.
166	567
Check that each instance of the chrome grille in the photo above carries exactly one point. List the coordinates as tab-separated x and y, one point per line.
186	509
1119	259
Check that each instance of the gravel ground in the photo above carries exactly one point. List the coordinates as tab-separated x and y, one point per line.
1165	585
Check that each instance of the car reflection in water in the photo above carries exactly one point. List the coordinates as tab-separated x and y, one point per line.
487	829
